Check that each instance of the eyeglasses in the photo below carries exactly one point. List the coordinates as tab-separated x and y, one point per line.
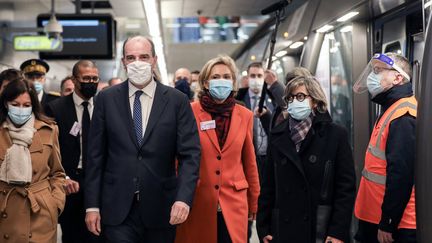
299	97
378	70
89	79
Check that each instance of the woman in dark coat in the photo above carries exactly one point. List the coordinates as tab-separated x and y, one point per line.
308	191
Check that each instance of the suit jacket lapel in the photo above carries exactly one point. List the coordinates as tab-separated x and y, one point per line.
211	133
123	104
236	121
158	106
282	141
246	100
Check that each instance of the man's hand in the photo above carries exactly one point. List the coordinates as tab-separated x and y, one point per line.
71	186
270	77
330	239
384	237
179	213
92	220
257	114
267	238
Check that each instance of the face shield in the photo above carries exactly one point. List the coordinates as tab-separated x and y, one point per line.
370	79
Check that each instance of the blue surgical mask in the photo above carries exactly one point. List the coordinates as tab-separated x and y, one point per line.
38	86
220	89
19	115
299	110
373	83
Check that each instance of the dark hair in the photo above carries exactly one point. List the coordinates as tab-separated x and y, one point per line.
195	72
254	64
69	77
9	74
82	63
112	79
153	51
16	88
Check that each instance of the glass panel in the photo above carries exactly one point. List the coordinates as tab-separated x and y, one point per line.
334	72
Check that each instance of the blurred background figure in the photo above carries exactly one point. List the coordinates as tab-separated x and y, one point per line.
34	71
102	86
182	79
7	75
66	86
340	102
114	81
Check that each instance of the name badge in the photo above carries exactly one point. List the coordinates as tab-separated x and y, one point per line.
76	128
208	125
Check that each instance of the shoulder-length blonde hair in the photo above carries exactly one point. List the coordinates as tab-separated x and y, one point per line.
204	75
314	89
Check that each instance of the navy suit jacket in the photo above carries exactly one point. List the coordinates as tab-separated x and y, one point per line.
116	164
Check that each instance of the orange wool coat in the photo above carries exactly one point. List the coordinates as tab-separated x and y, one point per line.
229	177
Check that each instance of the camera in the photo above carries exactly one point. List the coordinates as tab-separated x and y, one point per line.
53	28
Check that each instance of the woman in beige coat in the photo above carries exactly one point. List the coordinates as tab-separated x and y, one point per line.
31	175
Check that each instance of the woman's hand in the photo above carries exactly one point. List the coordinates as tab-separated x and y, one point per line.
251	216
267	238
330	239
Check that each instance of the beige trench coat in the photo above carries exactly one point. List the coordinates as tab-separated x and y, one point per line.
29	214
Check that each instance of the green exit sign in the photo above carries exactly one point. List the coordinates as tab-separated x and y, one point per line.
37	43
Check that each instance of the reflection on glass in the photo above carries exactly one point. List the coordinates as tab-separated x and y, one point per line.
203	29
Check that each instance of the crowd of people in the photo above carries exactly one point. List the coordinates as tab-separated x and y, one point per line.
199	162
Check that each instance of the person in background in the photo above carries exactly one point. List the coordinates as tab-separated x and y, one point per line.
228	188
31	174
309	185
114	81
194	83
135	191
182	79
35	71
385	204
7	75
73	114
102	86
67	86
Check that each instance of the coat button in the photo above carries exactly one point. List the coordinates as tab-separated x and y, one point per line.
4	215
217	187
218	172
305	218
218	157
6	236
140	157
313	159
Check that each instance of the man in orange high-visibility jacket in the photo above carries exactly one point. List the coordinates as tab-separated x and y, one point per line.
385	204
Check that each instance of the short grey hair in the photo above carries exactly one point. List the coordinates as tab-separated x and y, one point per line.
403	63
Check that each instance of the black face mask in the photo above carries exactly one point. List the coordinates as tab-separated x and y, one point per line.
88	90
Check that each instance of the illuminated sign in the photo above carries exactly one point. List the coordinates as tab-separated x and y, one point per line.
37	43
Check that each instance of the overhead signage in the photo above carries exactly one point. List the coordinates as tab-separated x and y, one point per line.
37	43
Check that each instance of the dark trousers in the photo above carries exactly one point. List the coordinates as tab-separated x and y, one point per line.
222	230
261	162
368	232
72	220
132	230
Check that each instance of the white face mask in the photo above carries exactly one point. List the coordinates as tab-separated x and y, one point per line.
139	72
256	83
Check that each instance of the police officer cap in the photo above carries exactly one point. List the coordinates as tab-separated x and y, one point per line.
34	66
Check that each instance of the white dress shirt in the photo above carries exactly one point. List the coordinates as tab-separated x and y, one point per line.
79	112
146	100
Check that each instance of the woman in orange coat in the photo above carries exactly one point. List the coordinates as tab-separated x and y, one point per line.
228	188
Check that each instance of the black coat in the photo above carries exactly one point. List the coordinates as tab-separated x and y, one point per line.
322	173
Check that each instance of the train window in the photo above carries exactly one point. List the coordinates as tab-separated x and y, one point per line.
334	71
394	47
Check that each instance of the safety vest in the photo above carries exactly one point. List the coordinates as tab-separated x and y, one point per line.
372	185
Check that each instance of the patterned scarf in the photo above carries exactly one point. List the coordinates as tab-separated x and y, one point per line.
221	113
299	129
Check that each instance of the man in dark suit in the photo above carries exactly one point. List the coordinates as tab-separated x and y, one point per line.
73	114
134	188
35	70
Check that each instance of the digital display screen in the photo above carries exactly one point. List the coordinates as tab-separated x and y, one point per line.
84	36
